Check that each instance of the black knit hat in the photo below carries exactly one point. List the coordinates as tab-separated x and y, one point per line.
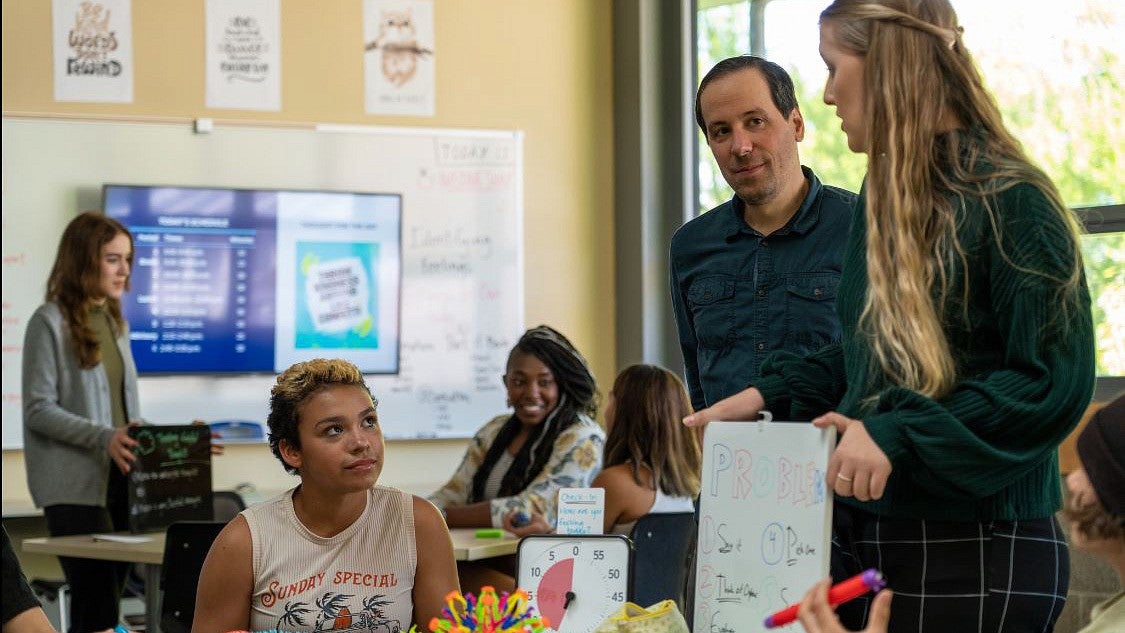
1101	447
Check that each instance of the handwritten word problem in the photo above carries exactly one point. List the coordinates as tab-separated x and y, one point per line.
764	517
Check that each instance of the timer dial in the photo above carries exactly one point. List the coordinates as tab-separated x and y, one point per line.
575	581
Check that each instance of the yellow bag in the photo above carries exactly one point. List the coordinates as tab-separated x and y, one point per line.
662	617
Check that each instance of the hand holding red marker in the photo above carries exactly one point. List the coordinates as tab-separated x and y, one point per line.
854	587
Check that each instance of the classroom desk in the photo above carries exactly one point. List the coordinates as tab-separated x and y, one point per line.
150	554
466	546
20	510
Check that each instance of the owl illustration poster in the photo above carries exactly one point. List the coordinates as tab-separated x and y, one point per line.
399	56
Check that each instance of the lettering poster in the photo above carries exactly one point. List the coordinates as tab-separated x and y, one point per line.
398	56
244	54
764	521
93	50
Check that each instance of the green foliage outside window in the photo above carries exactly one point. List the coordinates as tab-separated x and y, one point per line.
1068	117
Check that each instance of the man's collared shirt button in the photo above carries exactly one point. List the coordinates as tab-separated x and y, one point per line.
761	292
761	346
818	291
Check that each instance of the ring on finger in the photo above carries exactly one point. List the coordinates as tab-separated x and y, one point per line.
843	477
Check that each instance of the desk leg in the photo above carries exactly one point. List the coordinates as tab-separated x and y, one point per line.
152	598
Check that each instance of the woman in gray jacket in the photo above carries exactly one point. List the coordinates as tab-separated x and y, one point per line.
79	397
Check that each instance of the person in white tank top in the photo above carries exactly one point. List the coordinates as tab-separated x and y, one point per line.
337	552
652	461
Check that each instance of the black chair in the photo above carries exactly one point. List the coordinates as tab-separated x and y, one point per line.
227	504
185	548
664	550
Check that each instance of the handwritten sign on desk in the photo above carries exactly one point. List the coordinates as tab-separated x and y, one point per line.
171	478
581	511
764	523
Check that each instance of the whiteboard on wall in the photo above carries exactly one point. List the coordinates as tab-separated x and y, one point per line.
764	521
462	286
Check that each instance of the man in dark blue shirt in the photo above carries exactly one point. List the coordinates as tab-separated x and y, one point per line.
759	273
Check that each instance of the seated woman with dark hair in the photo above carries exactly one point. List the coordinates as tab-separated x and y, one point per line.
518	462
337	551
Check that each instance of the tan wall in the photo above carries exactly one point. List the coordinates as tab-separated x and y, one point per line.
543	67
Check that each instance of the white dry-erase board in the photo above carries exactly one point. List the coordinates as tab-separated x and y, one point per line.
462	286
764	521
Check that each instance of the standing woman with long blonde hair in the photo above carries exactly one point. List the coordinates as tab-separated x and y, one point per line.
968	348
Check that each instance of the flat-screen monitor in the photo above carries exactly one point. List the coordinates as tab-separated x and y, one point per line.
254	280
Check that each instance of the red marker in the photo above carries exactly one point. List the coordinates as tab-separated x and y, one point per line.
850	589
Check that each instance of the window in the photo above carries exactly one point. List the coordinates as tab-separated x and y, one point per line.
1055	68
1103	250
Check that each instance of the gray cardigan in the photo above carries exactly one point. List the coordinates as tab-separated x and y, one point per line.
67	421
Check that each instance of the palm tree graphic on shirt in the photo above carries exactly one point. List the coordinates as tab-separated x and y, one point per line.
292	616
336	615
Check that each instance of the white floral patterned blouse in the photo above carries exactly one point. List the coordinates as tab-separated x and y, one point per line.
575	461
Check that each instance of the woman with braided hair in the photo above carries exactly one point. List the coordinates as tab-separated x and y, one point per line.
516	463
968	348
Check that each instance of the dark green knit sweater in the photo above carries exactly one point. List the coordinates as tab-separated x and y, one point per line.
1025	362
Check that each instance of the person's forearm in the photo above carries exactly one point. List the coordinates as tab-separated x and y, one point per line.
473	515
32	620
743	405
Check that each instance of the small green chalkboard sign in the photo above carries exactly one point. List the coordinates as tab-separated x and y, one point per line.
171	478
